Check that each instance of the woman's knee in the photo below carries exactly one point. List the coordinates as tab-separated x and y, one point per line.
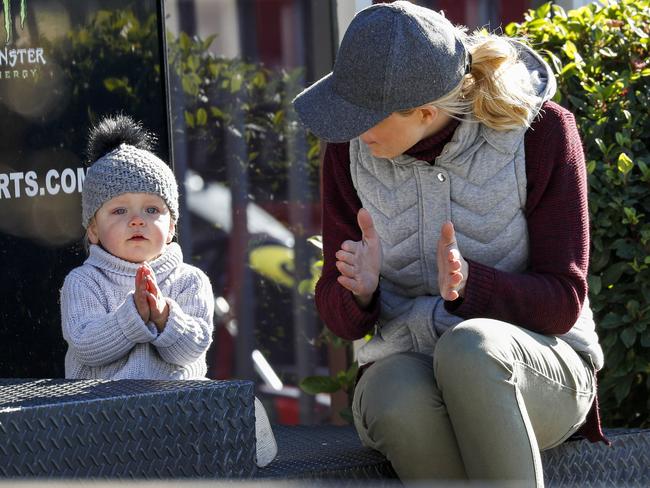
471	351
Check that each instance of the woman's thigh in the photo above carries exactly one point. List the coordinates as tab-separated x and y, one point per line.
476	358
398	410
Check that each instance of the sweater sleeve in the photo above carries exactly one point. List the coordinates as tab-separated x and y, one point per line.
95	336
336	305
548	297
188	331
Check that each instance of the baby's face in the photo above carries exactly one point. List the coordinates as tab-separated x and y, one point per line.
135	227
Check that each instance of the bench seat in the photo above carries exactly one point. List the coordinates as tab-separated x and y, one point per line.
142	429
332	452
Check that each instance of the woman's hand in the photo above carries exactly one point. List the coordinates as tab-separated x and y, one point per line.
452	268
159	309
359	262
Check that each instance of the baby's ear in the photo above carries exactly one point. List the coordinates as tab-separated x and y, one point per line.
172	231
91	232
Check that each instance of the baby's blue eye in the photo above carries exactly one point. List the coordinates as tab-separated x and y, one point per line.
119	211
152	210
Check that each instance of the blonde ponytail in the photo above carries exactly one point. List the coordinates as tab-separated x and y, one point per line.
497	91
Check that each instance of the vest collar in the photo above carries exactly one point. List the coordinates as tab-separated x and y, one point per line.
466	140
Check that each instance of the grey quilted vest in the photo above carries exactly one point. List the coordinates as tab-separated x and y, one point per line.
479	183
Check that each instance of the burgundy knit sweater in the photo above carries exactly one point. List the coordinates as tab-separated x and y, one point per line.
558	227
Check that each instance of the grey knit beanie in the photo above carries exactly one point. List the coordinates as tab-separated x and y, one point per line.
125	168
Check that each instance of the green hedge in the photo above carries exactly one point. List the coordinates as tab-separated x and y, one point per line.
601	58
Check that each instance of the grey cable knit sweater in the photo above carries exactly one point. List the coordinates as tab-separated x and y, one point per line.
108	339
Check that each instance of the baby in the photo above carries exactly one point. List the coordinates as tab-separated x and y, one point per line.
134	309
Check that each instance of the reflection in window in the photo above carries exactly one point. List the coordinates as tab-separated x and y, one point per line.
63	64
251	178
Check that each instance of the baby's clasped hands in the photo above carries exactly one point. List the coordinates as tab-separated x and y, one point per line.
149	300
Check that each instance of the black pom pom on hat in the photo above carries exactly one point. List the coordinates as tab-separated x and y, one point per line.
112	131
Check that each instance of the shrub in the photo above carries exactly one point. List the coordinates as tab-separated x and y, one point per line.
601	58
226	96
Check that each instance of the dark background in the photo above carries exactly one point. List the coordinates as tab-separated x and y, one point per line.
43	125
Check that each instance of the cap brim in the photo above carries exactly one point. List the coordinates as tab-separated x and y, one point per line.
329	116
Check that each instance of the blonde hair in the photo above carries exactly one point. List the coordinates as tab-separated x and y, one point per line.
497	91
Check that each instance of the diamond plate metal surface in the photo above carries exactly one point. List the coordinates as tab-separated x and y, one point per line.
330	452
626	463
127	429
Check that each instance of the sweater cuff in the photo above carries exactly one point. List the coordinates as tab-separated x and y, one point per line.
478	292
170	334
366	316
132	325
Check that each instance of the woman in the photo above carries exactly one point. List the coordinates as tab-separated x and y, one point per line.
455	223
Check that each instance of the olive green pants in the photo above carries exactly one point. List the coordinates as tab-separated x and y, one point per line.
482	408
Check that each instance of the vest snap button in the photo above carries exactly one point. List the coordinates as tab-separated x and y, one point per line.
441	177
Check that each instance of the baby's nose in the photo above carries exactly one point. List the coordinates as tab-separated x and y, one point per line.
136	221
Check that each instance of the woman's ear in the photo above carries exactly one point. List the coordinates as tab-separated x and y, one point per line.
91	232
428	113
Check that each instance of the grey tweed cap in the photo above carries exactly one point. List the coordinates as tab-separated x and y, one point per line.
393	56
127	169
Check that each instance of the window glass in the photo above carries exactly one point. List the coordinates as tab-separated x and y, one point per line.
63	64
251	178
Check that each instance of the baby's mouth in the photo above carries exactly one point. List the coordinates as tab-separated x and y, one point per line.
138	238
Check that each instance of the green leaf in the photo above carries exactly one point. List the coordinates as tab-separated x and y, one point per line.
570	50
543	11
208	41
217	113
607	52
610	321
511	29
622	388
628	337
351	373
189	119
637	31
633	307
306	287
624	163
236	83
595	284
113	84
201	117
346	414
319	384
614	272
184	41
645	338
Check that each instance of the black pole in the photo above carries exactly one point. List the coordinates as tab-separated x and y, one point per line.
241	280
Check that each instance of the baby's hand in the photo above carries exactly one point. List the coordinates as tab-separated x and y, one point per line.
452	267
140	295
159	309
